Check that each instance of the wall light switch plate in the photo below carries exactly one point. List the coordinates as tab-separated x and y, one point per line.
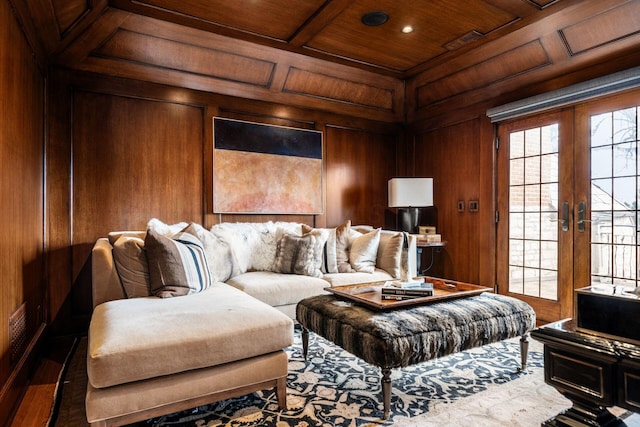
473	206
460	205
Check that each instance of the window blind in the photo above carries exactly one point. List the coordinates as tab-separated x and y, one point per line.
627	79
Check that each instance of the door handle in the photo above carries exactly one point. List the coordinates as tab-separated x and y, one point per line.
564	220
565	216
582	212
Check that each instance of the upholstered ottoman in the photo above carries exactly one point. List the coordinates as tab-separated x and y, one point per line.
406	336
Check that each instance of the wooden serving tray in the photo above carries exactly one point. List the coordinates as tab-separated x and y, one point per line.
370	294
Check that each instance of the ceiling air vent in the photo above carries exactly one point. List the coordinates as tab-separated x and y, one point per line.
463	39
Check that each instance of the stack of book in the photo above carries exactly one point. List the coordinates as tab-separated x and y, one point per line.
406	290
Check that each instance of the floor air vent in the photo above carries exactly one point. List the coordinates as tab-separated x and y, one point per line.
18	333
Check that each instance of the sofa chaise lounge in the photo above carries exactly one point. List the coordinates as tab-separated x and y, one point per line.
149	355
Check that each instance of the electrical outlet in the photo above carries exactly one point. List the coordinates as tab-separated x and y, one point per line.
473	206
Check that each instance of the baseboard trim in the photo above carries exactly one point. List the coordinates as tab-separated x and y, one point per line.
16	384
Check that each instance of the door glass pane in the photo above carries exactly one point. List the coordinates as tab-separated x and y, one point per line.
533	212
614	197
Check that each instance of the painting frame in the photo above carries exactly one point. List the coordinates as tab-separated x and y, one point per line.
262	168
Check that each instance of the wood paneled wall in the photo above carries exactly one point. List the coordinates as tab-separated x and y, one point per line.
460	159
138	150
22	85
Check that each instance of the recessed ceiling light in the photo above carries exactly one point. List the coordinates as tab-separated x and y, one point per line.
407	29
373	19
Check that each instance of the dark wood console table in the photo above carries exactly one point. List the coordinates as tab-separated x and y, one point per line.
594	372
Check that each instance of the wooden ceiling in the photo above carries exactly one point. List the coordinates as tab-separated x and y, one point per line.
319	54
333	29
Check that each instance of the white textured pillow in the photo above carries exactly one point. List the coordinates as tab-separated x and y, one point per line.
218	252
364	251
165	229
131	264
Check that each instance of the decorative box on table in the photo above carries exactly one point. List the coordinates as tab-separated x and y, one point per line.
610	311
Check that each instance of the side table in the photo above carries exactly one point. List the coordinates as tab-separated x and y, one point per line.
592	371
435	247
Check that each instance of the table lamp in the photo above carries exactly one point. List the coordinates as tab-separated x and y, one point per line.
409	195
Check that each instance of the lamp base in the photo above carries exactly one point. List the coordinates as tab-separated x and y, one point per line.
409	219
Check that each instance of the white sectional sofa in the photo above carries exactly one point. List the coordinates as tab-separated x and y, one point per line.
156	346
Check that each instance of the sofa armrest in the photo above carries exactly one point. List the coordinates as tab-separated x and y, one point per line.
105	282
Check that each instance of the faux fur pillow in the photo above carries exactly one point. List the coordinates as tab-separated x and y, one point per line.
298	255
131	263
177	264
328	245
364	251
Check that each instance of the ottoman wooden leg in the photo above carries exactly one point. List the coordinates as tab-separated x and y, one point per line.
305	342
524	350
386	391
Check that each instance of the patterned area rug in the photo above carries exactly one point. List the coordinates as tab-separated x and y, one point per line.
479	387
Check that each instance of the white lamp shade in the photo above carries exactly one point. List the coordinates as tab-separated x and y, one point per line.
410	192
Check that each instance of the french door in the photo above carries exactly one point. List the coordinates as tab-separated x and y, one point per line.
535	201
568	203
607	141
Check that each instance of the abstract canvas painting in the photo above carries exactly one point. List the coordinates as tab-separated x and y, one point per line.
266	169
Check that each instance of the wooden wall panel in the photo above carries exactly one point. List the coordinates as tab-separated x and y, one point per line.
359	164
134	159
461	166
21	207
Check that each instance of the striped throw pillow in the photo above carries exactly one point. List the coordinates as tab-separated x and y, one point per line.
177	264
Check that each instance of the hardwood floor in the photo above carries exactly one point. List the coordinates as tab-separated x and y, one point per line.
38	404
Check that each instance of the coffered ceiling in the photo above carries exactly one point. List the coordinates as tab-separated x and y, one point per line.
334	29
320	54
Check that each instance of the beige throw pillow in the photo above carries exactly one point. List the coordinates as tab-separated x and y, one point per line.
343	245
131	264
390	252
364	251
298	255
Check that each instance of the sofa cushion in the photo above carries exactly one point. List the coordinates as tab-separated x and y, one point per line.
299	255
131	263
278	289
141	338
364	251
177	264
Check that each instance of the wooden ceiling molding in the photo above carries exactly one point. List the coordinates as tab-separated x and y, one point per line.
318	54
522	59
602	29
135	46
329	87
499	70
126	45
